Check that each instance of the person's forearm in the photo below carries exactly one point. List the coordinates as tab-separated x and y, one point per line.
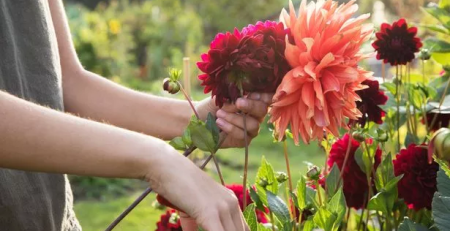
91	96
36	138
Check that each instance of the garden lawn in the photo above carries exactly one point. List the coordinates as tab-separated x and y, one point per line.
96	215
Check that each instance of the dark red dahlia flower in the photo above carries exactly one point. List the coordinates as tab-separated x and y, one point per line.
397	43
238	191
253	58
354	179
418	184
371	98
442	120
170	221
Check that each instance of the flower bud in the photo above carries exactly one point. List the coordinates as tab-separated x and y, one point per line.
171	86
313	173
424	54
383	136
358	136
158	205
281	177
440	144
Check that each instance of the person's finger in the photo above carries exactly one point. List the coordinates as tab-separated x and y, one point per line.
230	129
231	108
238	120
188	223
255	108
227	220
238	219
267	98
212	223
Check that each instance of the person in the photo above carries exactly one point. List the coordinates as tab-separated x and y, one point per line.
58	118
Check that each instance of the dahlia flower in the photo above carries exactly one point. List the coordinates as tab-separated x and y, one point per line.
170	221
397	43
418	184
251	59
319	92
371	98
354	179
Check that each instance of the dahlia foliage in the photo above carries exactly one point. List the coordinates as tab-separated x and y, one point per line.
386	143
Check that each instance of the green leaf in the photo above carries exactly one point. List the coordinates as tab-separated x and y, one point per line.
384	173
201	137
301	193
187	137
261	227
440	14
416	97
256	199
287	226
338	207
408	225
383	201
441	201
436	28
444	4
178	143
266	172
393	182
362	159
441	58
212	127
390	87
250	217
436	45
311	197
332	180
443	183
278	207
309	224
324	219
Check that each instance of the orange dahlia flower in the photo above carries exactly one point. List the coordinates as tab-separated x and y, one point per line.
318	93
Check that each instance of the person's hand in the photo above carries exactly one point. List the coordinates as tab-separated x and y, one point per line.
212	206
230	117
187	222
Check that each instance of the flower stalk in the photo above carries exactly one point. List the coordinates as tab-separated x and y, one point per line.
288	169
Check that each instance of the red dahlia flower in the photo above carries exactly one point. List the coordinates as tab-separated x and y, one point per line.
238	191
252	58
371	98
170	221
442	119
354	179
397	43
418	184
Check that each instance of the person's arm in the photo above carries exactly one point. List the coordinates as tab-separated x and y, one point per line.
91	96
36	138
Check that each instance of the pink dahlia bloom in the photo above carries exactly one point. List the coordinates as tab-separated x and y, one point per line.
319	92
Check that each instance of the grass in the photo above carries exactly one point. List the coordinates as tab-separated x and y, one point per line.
97	215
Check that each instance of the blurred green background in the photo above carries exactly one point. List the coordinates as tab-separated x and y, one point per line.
133	43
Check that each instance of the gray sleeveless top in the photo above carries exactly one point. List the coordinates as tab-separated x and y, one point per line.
30	69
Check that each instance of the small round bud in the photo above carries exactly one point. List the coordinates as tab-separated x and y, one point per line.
424	54
382	136
281	177
313	173
358	136
170	86
158	205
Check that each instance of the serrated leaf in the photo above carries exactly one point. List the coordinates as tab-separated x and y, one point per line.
324	219
441	211
362	160
301	193
311	197
266	172
384	172
212	127
332	180
393	182
338	207
383	201
309	224
408	225
278	207
250	217
256	199
201	137
177	143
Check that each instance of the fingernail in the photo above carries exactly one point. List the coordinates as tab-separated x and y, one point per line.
242	103
220	122
220	113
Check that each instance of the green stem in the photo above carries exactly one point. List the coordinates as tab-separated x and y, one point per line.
397	93
288	169
245	161
347	154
